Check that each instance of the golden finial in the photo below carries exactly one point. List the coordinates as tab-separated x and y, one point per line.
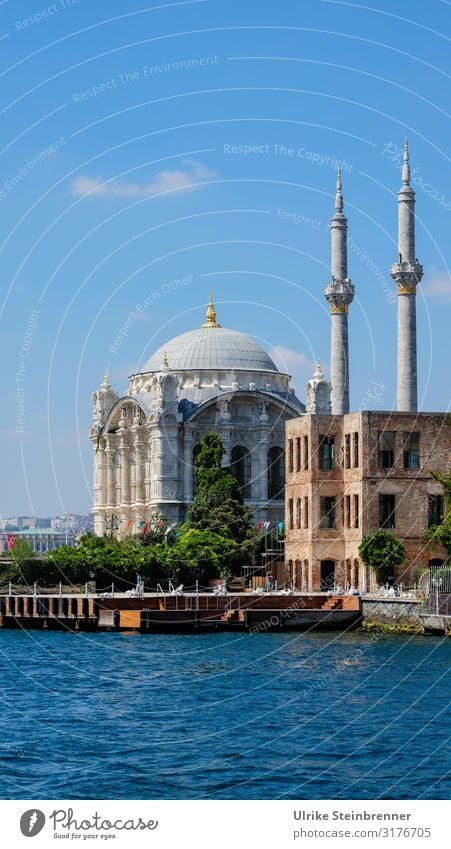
210	315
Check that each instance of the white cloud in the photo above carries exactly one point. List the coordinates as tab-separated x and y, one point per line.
295	363
437	284
178	179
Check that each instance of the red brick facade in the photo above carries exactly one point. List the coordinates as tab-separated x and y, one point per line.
346	477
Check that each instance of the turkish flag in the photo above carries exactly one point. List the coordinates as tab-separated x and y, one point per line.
11	541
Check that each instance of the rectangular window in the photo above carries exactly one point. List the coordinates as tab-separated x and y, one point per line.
386	449
297	454
328	510
356	511
411	450
347	450
290	456
298	512
348	511
290	514
306	512
386	511
435	510
355	450
326	452
305	452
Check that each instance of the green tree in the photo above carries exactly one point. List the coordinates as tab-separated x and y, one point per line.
199	555
218	504
442	533
108	559
66	565
445	481
154	530
382	551
22	562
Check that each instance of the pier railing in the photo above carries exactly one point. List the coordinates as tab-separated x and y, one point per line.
10	589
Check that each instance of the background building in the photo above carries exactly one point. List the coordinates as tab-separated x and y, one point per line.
40	539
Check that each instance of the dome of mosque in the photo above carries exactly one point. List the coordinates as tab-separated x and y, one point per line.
211	347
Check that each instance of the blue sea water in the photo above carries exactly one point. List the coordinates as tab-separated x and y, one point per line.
224	716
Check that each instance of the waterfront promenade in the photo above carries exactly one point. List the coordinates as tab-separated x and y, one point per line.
180	612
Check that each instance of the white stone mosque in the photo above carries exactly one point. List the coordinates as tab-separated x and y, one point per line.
216	379
145	443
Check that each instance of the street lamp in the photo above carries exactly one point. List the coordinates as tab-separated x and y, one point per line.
112	524
437	583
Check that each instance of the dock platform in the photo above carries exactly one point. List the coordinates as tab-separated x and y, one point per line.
190	612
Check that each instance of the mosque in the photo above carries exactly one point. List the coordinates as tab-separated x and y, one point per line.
345	474
145	442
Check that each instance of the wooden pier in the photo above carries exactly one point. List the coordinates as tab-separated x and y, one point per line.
191	612
49	611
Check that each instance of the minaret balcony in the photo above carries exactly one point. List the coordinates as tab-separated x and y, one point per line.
406	273
339	293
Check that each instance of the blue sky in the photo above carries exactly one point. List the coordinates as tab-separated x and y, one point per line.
150	153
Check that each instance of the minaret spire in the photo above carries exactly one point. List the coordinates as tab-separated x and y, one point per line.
406	273
339	293
339	196
406	166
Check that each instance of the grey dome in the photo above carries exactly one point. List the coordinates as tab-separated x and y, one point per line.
213	348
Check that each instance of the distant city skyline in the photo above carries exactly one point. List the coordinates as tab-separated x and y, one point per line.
151	158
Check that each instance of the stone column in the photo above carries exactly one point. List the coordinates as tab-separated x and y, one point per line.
139	470
147	451
99	474
99	494
110	452
124	489
124	451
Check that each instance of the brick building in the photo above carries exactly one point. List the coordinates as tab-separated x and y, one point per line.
350	475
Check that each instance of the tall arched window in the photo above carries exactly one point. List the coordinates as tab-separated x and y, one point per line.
241	468
196	450
276	472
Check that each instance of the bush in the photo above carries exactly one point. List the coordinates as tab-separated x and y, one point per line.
382	551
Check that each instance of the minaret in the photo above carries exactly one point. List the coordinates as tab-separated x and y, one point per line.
339	293
406	273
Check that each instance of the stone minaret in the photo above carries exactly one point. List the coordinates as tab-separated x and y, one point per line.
406	273
339	293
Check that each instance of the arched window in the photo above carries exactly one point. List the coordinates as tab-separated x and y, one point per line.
276	473
241	468
196	450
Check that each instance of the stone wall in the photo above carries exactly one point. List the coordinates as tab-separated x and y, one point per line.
391	611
